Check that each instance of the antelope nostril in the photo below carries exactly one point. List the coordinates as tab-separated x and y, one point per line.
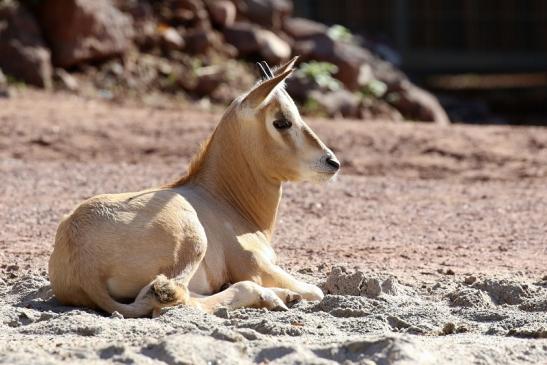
331	161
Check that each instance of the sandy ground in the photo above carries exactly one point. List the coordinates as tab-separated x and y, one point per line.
437	236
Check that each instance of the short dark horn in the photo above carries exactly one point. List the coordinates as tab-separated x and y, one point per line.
267	69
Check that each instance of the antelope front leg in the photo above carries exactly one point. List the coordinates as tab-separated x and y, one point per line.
244	294
272	276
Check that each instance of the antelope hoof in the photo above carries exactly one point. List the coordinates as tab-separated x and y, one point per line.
271	301
288	297
164	290
280	309
293	298
313	293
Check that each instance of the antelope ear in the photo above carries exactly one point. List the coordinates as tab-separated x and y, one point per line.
262	91
287	66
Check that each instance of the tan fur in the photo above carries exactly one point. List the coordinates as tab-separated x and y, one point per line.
136	253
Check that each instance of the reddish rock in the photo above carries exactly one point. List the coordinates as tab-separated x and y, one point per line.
339	103
243	37
417	104
249	39
191	13
23	53
268	13
80	30
301	28
199	41
223	12
274	49
348	57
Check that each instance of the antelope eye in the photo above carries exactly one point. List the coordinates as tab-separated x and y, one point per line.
282	123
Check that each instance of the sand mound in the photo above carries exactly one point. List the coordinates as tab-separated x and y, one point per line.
381	322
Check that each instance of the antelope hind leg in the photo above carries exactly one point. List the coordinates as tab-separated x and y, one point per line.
275	277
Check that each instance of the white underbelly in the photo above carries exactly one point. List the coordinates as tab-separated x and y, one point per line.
199	283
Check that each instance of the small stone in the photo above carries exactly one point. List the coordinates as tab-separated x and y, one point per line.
171	38
12	267
449	328
450	272
222	313
223	12
470	279
66	80
116	315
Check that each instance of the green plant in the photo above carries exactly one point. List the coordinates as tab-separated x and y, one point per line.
321	73
375	88
314	108
340	33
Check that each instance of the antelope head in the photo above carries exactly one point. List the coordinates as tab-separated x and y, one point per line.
273	135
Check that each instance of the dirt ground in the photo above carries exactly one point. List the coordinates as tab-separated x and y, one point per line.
427	205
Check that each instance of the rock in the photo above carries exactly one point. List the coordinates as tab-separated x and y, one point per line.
191	13
208	80
300	87
268	13
470	279
223	12
23	53
243	37
66	80
4	92
171	38
357	67
248	39
339	103
372	108
350	59
80	31
198	41
274	49
417	104
301	28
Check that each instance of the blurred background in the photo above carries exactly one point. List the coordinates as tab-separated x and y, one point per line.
442	61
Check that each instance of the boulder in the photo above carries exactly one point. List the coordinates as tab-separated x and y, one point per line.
191	13
416	103
300	87
79	31
23	53
199	41
249	39
268	13
372	108
223	12
274	49
243	37
302	29
347	57
339	103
